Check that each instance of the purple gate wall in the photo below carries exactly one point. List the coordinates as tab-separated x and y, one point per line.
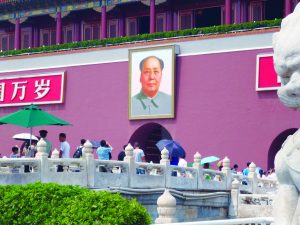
218	111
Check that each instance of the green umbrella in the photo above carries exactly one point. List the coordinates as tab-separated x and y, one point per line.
32	116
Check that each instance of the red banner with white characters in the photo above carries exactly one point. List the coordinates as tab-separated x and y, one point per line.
266	77
38	89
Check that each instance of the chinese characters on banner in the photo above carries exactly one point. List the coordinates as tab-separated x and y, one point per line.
38	89
266	76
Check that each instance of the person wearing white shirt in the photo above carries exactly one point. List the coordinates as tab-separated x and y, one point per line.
182	162
138	153
64	146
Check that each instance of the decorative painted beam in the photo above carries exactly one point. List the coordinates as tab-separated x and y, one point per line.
110	4
51	10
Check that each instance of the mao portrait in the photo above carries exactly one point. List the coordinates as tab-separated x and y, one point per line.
151	83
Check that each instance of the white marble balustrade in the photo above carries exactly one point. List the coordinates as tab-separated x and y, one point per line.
94	173
19	171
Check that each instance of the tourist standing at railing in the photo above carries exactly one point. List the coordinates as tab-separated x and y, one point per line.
235	168
271	174
64	146
246	170
104	151
139	154
182	162
79	152
122	154
43	134
15	152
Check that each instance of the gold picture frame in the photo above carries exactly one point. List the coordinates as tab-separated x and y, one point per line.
151	92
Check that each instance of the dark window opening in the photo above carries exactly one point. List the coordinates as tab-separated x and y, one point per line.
26	41
186	20
208	17
147	136
4	43
160	21
144	25
274	9
11	42
276	145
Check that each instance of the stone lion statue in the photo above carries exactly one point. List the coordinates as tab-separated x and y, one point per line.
286	44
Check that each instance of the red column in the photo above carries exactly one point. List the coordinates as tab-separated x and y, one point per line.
287	7
58	28
152	17
227	11
103	22
17	33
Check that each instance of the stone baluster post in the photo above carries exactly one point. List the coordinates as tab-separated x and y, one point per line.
164	157
197	165
129	158
253	177
166	208
43	156
90	163
227	171
166	162
55	154
234	199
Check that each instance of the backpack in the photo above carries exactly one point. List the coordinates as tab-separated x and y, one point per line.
78	152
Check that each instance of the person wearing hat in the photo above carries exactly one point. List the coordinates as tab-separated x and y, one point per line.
43	134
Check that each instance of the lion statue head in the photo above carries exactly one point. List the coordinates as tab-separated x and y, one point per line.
286	45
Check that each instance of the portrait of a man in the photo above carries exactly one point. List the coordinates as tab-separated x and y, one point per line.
152	87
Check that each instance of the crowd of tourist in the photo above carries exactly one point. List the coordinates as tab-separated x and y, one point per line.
29	149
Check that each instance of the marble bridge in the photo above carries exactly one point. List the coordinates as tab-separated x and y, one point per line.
224	195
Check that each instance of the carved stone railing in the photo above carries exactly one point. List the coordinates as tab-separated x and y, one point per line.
249	205
94	173
246	183
19	171
145	175
67	171
245	221
182	178
111	174
213	179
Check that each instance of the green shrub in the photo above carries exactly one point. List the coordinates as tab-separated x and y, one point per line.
145	37
38	204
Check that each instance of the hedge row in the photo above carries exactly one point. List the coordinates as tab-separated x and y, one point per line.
147	37
46	204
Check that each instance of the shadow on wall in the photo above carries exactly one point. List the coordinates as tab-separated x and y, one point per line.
147	135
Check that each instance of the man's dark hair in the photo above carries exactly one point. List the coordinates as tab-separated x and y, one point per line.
103	143
82	141
14	149
43	133
136	145
161	62
248	164
63	135
235	166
